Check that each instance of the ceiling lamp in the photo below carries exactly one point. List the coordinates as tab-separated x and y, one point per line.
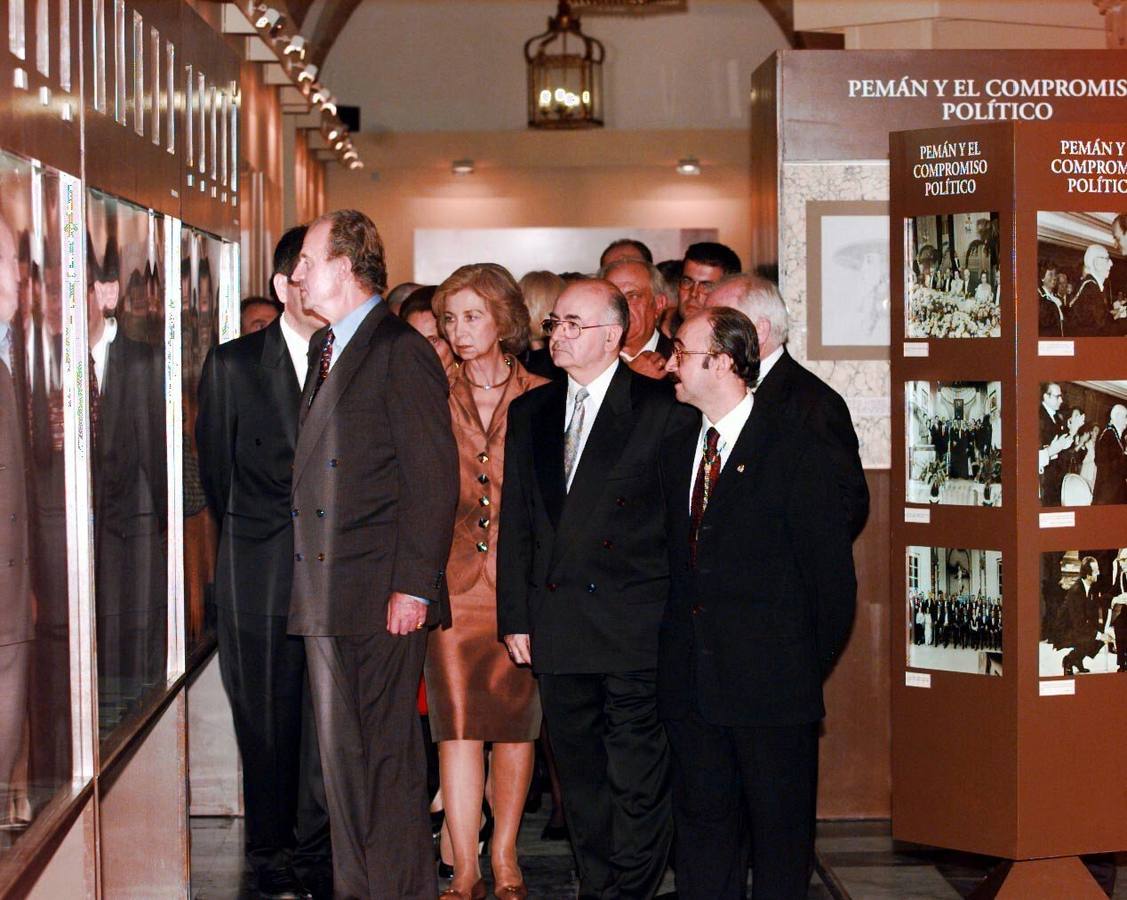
462	167
270	19
690	165
565	75
309	73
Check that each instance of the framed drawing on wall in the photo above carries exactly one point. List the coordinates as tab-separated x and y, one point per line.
847	279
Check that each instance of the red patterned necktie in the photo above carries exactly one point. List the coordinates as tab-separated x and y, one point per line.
708	472
326	361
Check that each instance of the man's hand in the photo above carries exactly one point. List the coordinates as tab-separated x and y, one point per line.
649	363
520	648
405	614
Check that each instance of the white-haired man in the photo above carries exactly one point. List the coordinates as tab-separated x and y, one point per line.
1087	313
798	392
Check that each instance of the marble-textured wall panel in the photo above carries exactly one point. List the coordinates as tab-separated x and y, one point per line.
865	385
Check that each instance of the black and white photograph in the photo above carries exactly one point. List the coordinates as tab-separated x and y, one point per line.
1082	454
954	620
954	442
1083	612
952	277
1081	274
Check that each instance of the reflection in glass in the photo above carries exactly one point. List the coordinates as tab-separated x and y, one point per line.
201	269
125	310
35	737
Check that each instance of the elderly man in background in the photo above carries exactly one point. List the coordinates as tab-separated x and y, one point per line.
1087	313
797	392
645	348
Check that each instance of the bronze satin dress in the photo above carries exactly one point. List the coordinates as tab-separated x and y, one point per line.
474	692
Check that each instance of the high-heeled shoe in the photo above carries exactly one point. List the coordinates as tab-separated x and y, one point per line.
511	891
477	892
436	820
445	870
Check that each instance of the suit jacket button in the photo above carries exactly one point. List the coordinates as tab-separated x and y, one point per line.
332	463
258	442
551	586
297	557
293	512
483	457
621	501
608	545
591	588
320	514
483	478
483	501
320	557
482	547
697	609
483	522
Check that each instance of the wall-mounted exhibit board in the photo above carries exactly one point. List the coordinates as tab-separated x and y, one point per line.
1004	375
820	124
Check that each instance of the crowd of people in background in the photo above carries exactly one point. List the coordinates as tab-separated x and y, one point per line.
962	444
527	456
1076	301
959	620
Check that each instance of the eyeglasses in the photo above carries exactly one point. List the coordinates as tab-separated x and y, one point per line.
569	329
688	284
680	353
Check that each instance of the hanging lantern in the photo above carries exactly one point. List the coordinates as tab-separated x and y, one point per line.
565	75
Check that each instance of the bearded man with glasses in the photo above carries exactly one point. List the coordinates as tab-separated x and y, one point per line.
583	577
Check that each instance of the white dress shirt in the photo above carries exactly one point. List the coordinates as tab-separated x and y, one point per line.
767	364
299	350
596	393
100	350
729	427
650	345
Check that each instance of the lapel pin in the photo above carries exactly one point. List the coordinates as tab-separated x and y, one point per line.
740	467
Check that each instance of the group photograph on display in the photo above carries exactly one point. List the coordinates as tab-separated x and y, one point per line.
954	442
954	610
1083	612
1082	455
1081	274
952	278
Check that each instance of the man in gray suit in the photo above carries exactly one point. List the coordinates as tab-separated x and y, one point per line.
375	485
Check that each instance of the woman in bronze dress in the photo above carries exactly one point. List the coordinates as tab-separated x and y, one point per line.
475	693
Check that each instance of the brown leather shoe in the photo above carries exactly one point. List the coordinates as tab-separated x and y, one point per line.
477	892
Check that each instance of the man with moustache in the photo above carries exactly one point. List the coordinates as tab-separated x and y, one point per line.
645	349
375	489
246	431
583	577
745	646
803	397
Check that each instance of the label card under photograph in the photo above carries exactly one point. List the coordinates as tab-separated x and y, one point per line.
1058	688
1057	520
1056	348
917	679
915	348
916	516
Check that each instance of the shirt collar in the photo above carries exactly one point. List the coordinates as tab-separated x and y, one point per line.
650	345
297	346
768	363
596	390
346	327
730	425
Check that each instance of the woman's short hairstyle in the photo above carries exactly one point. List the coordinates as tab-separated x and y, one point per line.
353	235
493	284
541	290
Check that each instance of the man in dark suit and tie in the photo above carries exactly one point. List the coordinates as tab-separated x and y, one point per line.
1111	459
1055	440
375	485
809	400
645	349
583	577
762	600
130	486
246	430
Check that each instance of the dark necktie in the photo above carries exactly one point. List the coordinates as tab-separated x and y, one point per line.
708	472
95	402
326	361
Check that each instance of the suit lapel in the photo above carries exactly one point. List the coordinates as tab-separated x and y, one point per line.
604	445
279	381
112	376
547	448
682	462
315	417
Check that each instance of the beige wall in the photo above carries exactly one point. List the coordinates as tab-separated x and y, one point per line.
578	179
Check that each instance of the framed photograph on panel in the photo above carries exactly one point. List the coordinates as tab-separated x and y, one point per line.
847	279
